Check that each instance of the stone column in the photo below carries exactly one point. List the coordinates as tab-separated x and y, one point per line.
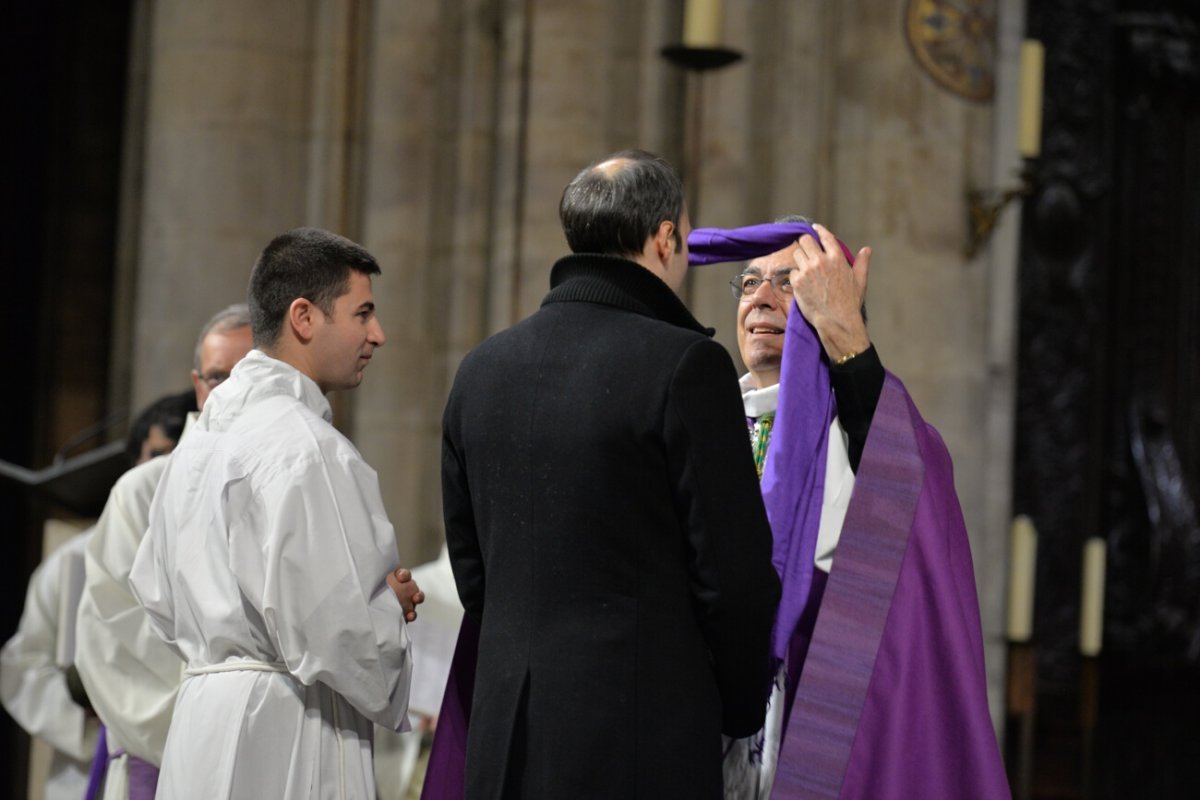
410	157
480	112
228	132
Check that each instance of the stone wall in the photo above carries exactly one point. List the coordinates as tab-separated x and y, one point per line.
440	135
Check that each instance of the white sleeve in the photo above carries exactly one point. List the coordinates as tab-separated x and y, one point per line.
33	687
316	564
130	675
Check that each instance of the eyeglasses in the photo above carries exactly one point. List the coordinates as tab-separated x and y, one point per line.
213	379
746	284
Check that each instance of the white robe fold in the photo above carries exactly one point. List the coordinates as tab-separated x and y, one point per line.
265	567
33	686
130	675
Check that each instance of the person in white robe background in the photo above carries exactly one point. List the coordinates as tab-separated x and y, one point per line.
130	675
269	564
33	686
38	684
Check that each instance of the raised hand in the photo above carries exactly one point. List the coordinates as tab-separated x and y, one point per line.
829	293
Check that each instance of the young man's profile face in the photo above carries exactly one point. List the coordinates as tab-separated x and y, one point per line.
344	341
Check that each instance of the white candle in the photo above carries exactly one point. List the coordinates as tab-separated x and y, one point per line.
702	23
1022	570
1029	113
1091	602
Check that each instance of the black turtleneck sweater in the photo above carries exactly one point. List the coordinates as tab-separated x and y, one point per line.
606	528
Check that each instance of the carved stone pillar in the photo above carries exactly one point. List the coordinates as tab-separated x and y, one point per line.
228	131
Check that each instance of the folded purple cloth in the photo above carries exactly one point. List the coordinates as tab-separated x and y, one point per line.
897	646
716	245
143	776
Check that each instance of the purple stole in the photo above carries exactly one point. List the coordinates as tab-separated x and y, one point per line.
143	776
892	701
841	657
717	245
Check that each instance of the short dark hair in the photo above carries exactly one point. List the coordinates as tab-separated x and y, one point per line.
306	262
615	204
169	413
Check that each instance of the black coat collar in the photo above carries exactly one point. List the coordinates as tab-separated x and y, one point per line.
618	282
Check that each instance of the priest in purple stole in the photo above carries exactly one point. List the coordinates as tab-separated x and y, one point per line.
881	691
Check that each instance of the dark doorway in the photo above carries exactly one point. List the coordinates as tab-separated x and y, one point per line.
1108	424
65	67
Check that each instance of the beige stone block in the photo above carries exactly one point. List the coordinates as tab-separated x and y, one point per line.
230	86
264	25
187	275
228	181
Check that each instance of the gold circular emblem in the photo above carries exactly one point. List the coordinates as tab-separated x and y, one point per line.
955	43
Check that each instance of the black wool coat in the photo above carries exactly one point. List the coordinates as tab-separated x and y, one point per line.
606	528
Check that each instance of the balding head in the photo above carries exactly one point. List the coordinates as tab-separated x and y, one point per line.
615	205
224	340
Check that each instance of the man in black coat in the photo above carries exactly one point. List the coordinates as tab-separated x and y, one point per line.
604	519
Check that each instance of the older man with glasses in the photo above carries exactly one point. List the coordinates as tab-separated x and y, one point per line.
130	674
880	689
765	299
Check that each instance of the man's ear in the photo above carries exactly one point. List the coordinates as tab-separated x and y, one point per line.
664	241
301	316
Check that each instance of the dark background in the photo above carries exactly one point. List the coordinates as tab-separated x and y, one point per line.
64	87
1108	434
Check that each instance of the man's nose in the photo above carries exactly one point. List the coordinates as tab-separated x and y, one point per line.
375	333
764	294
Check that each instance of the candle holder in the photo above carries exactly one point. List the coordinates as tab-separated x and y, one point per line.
1020	717
984	207
1089	716
696	61
700	59
1091	640
1021	694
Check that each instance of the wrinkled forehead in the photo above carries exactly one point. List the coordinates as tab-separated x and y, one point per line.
779	261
